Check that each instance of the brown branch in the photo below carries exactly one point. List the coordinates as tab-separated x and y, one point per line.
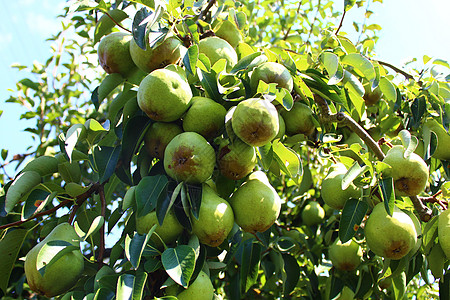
341	23
115	22
424	212
290	27
407	75
79	199
207	8
101	249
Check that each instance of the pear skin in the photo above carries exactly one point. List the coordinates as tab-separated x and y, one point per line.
345	256
236	160
200	289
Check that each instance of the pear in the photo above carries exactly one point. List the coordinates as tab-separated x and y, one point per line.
169	231
442	149
345	256
236	160
272	72
216	48
313	213
205	116
410	174
166	53
200	289
229	32
256	204
114	54
255	121
164	95
390	236
190	158
444	231
299	119
158	136
332	193
371	97
60	276
216	219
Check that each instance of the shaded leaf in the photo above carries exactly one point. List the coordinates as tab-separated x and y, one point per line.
148	191
353	213
179	263
10	245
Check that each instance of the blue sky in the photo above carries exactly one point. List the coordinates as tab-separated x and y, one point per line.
409	29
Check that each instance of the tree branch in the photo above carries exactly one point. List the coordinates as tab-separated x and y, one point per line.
207	8
407	76
101	249
296	14
341	23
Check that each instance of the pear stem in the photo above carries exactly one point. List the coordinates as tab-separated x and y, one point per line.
326	116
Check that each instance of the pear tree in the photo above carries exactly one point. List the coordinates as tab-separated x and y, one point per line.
226	150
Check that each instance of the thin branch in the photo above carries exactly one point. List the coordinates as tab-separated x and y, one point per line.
296	14
115	22
79	199
314	21
101	249
407	76
341	23
207	8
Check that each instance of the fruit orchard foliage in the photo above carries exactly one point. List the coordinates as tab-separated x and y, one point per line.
90	165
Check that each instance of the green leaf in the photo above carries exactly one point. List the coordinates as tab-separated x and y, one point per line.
97	223
152	264
210	84
108	85
291	274
191	58
354	171
288	160
361	64
10	245
132	137
125	286
387	194
248	62
105	24
21	186
266	155
30	84
353	213
409	142
35	202
179	264
444	286
194	193
94	128
139	27
148	191
134	247
51	252
105	160
334	69
388	89
251	257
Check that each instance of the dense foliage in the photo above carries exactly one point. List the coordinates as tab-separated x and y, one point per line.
91	167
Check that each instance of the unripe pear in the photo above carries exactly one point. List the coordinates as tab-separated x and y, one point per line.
60	276
371	97
190	158
216	48
255	121
236	160
272	72
256	204
216	219
444	231
158	136
164	95
114	54
331	190
345	256
313	213
168	231
229	32
442	149
205	116
299	119
200	289
390	236
166	53
410	174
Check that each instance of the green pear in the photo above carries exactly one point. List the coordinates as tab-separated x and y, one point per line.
158	136
169	231
345	256
236	160
190	158
205	116
114	54
200	289
215	220
299	119
255	121
313	213
331	190
164	95
166	53
442	150
216	48
256	204
272	72
228	31
371	97
444	231
390	236
410	174
60	276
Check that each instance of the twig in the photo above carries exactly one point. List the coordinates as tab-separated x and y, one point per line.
293	22
115	22
341	23
207	8
407	76
101	249
79	199
314	21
